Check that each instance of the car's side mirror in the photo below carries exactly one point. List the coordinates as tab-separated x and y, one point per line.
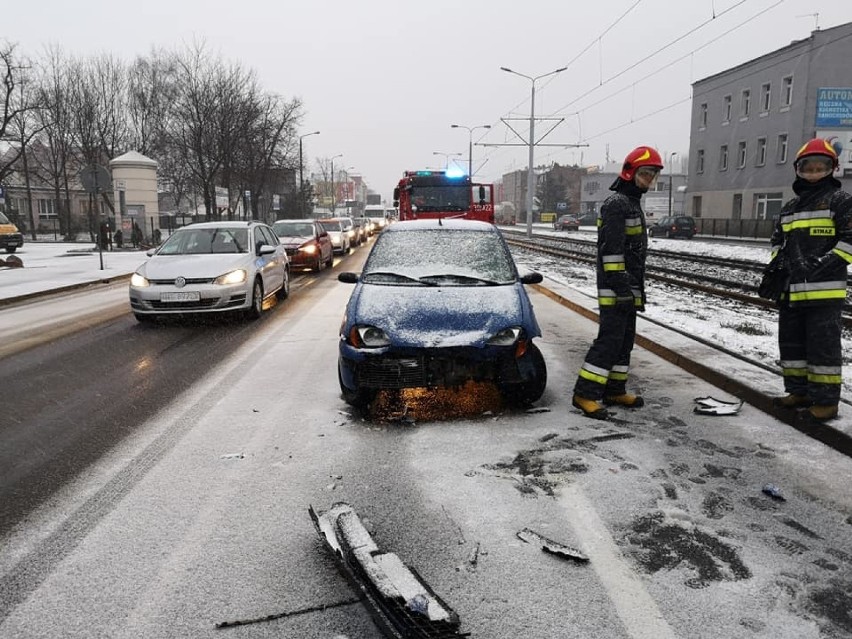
532	278
265	249
347	278
150	252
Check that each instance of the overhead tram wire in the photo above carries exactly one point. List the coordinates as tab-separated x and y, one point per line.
489	154
651	55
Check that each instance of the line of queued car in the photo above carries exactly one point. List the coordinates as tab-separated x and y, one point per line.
437	304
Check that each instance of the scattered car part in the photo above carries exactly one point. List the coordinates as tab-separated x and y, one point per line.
552	547
773	491
403	606
712	406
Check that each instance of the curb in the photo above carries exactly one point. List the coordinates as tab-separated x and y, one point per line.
8	301
828	435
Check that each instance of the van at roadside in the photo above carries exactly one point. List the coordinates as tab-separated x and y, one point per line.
10	237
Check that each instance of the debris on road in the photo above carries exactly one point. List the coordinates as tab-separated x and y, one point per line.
712	406
232	456
773	491
401	603
552	547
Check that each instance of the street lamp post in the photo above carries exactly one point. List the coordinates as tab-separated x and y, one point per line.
333	194
447	157
671	179
301	181
470	130
532	138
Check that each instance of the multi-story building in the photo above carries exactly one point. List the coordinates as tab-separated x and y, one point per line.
749	121
666	195
514	187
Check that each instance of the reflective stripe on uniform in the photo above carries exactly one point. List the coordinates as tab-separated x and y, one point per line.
844	250
794	367
594	373
608	297
825	379
633	226
613	262
619	372
807	220
806	291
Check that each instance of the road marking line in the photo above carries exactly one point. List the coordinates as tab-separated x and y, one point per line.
637	609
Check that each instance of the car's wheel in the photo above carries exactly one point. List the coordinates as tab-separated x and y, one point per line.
669	235
330	262
319	264
360	398
256	309
527	392
284	292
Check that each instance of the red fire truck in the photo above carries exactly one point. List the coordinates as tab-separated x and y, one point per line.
431	194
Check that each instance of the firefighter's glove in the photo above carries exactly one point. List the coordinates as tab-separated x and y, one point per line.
817	266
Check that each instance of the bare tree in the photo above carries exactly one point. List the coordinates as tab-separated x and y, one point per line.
16	106
151	88
52	149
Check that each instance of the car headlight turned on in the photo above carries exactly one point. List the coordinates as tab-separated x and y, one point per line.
234	277
310	249
139	281
367	337
350	233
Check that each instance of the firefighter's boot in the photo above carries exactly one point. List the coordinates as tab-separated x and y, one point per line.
628	400
822	412
590	407
792	401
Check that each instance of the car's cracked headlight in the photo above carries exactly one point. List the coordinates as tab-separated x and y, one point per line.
506	337
234	277
368	337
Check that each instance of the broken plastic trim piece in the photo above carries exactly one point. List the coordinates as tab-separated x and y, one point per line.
712	406
403	606
552	547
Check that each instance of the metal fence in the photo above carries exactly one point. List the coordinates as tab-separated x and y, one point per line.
758	229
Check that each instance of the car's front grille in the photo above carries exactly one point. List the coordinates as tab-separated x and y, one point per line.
435	368
198	280
292	251
183	306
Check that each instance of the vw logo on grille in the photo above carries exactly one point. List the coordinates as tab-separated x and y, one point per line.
180	281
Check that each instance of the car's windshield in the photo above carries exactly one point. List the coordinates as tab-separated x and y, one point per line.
440	198
330	225
293	229
4	219
204	241
448	257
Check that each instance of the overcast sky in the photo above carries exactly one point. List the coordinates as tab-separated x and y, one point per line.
383	80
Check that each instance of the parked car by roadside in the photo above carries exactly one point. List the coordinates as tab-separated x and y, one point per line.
673	226
566	223
588	219
307	243
10	237
211	267
338	233
439	303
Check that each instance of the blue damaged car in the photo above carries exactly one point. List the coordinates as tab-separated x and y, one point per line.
440	303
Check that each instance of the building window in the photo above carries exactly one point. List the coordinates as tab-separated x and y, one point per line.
696	206
741	155
765	97
46	208
737	206
702	116
787	91
781	148
767	205
728	105
723	158
699	161
745	103
761	151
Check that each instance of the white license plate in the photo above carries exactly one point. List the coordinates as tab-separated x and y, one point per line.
183	296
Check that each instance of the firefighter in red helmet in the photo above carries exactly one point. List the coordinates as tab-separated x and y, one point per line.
622	248
812	243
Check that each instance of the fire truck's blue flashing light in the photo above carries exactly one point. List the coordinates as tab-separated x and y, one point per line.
455	172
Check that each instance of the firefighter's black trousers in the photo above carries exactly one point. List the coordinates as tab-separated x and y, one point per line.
810	349
604	372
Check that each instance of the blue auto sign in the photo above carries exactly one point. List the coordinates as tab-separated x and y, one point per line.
834	107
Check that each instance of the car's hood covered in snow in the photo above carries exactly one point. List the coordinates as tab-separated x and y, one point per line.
440	316
165	267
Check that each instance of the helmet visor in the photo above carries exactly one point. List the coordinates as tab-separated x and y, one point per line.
646	176
814	166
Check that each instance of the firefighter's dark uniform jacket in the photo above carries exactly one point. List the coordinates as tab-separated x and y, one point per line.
814	238
622	249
